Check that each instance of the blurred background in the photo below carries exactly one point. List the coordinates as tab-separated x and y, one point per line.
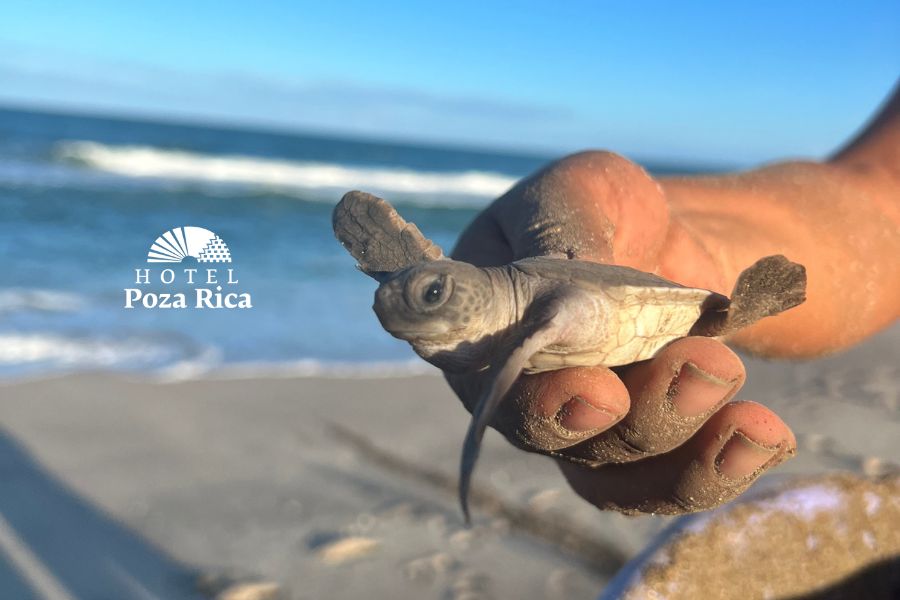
117	125
167	454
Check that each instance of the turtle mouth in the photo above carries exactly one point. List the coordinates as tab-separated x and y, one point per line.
412	334
402	328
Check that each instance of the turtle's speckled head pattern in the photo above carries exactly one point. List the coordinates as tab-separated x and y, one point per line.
435	305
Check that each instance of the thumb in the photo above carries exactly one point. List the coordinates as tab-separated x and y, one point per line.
592	205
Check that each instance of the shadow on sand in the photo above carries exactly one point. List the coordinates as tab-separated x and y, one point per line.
56	546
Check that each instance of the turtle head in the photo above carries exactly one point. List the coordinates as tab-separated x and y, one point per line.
442	307
435	305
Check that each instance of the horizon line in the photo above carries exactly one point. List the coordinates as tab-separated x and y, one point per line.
286	130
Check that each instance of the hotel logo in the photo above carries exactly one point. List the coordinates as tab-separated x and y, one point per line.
194	249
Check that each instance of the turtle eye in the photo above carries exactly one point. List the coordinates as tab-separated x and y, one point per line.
433	292
427	292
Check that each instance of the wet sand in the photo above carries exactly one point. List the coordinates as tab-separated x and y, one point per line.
344	488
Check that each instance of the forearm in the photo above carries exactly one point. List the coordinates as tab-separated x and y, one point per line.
830	218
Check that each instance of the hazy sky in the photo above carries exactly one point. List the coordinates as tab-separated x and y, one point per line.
732	82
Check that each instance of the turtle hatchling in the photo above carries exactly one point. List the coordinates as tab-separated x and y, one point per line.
537	314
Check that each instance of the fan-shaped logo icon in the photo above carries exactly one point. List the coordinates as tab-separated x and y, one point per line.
182	242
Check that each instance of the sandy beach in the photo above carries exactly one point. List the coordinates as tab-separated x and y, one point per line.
345	488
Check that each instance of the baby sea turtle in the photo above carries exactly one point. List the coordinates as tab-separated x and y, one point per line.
537	314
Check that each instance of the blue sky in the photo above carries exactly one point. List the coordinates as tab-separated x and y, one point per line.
730	82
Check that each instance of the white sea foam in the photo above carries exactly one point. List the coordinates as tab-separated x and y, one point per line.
66	352
21	299
193	370
48	353
279	174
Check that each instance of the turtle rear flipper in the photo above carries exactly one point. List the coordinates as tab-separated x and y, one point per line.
770	286
378	237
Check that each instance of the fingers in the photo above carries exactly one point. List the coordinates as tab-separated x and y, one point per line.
735	446
554	410
592	416
672	395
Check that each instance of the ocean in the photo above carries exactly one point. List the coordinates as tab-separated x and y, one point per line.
82	199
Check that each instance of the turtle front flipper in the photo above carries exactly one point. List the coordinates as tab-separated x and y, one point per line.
545	324
378	237
770	286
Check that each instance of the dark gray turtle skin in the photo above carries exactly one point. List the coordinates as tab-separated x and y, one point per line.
537	314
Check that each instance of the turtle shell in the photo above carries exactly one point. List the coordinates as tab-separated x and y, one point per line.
647	312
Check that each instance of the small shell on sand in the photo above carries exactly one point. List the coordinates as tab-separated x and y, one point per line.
260	590
874	466
462	540
816	442
543	500
346	549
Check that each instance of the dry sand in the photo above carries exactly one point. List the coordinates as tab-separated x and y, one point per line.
342	488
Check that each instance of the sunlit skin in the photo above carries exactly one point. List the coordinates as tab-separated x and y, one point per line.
839	217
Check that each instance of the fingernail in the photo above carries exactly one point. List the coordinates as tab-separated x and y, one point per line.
578	415
741	457
693	392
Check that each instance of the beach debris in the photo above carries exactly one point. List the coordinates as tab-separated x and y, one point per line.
875	466
818	443
365	522
346	549
259	590
223	586
543	500
537	314
462	540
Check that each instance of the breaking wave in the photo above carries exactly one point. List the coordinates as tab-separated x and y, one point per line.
41	354
53	351
192	370
279	174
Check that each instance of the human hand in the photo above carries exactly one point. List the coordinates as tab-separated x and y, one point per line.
658	436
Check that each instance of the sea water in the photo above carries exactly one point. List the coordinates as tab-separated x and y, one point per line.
83	198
